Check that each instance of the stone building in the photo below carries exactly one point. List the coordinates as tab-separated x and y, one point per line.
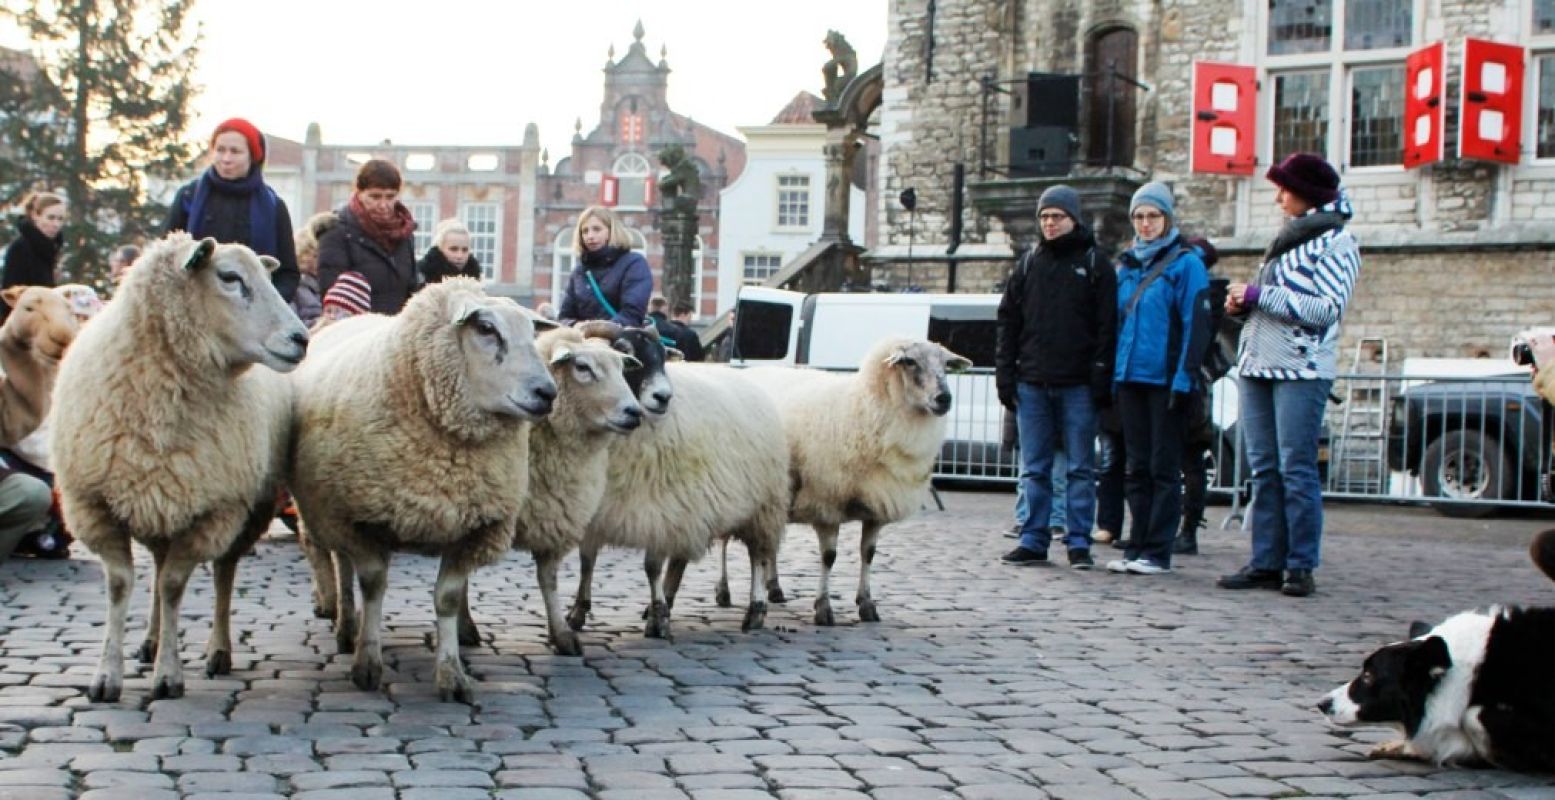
616	164
1458	253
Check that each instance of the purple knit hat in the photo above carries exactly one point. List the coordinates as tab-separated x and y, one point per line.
1308	177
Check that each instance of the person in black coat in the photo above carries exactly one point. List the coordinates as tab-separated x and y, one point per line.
232	203
30	259
449	256
374	238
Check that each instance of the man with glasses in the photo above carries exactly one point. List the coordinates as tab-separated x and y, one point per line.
1057	324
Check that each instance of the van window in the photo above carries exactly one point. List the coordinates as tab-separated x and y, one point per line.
976	339
761	330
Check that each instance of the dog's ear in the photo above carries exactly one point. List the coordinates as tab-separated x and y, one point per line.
1429	658
1418	629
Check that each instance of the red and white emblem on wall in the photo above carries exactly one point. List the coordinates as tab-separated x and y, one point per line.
631	128
1224	124
1424	110
1491	109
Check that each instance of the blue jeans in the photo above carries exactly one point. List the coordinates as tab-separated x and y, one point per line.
1280	422
1060	516
1043	415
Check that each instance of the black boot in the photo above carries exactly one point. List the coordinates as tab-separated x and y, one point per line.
1187	543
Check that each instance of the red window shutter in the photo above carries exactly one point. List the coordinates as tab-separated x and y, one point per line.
1424	110
649	186
1225	113
1491	108
609	191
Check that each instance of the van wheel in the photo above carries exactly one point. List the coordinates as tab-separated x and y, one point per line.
1467	467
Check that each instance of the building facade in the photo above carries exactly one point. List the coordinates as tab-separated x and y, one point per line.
1459	253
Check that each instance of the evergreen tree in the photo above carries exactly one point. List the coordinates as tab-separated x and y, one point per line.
103	119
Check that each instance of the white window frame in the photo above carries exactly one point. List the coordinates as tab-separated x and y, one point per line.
1340	63
745	279
482	243
421	241
1539	46
779	190
631	166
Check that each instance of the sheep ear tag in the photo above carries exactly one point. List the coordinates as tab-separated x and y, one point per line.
201	255
269	263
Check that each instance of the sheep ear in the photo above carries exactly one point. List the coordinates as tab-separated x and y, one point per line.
466	309
201	256
269	263
540	323
13	295
623	346
955	362
629	362
562	355
671	354
898	356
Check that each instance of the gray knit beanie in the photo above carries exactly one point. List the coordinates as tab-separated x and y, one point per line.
1156	194
1062	198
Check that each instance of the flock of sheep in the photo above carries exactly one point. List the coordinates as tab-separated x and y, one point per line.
452	429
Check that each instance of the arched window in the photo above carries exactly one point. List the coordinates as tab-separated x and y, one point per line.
631	171
1111	102
563	259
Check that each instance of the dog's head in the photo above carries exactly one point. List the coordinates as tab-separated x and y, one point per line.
1394	684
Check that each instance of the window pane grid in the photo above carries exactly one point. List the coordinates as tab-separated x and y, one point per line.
793	201
1544	16
1300	114
1370	24
481	219
1300	26
1546	113
425	214
761	266
1376	116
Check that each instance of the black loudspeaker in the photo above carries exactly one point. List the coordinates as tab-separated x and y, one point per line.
1041	152
1047	100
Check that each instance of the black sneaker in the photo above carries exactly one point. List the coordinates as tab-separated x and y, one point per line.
1298	583
1251	578
1021	557
1080	558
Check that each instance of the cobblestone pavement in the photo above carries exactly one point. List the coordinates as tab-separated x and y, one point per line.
983	681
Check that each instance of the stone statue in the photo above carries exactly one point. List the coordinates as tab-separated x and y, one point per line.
843	65
682	187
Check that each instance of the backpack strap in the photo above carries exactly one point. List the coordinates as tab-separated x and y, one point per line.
1162	262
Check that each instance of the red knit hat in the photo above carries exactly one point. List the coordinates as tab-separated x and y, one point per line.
351	292
1308	177
250	134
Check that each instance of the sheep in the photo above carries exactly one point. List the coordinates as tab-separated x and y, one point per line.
567	460
413	434
174	438
709	463
862	446
32	342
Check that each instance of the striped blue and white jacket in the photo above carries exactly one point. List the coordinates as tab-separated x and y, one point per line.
1293	332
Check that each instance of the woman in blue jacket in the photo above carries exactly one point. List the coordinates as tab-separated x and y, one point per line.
610	281
1163	327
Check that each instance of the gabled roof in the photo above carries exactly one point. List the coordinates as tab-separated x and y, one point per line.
798	111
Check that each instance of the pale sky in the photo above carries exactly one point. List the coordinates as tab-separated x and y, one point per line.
476	72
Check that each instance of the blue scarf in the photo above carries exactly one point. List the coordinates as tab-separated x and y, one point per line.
1144	252
262	204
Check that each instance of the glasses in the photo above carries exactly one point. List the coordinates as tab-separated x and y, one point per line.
1149	216
1055	216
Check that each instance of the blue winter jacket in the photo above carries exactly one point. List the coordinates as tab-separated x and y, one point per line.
627	284
1161	342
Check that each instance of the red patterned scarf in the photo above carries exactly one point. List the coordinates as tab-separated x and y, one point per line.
387	230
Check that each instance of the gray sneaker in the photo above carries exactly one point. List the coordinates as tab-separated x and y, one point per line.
1080	558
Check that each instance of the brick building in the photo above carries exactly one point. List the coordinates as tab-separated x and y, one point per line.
1458	253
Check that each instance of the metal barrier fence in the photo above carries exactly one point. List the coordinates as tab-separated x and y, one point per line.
1466	445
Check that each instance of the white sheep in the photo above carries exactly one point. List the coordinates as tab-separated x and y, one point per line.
567	459
862	446
709	463
413	434
173	437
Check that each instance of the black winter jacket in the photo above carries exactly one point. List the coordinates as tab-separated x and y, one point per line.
434	267
1058	317
347	248
227	221
30	260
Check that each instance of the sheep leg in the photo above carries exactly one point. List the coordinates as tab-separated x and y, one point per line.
372	573
345	605
320	563
218	649
866	604
756	610
826	533
578	616
658	626
672	577
721	596
453	683
119	575
148	646
774	588
167	679
563	639
469	634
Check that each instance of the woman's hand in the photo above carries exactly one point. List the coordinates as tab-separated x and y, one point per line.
1236	298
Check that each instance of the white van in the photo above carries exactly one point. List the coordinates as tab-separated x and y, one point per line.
834	330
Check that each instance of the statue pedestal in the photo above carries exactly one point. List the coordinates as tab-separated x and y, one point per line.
678	232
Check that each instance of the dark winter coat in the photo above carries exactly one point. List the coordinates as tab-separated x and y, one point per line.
627	283
29	261
227	221
347	248
434	267
309	302
1058	317
685	340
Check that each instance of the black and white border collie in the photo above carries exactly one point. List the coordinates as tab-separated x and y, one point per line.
1478	688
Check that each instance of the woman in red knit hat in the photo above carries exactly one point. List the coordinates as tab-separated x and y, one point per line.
231	203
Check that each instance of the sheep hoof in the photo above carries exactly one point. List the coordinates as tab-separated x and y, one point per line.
755	617
658	626
453	685
218	663
722	597
105	688
167	687
323	610
147	652
565	642
577	616
867	612
367	675
823	615
775	594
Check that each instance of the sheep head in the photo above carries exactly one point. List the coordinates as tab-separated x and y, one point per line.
912	371
590	376
503	372
649	381
226	287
